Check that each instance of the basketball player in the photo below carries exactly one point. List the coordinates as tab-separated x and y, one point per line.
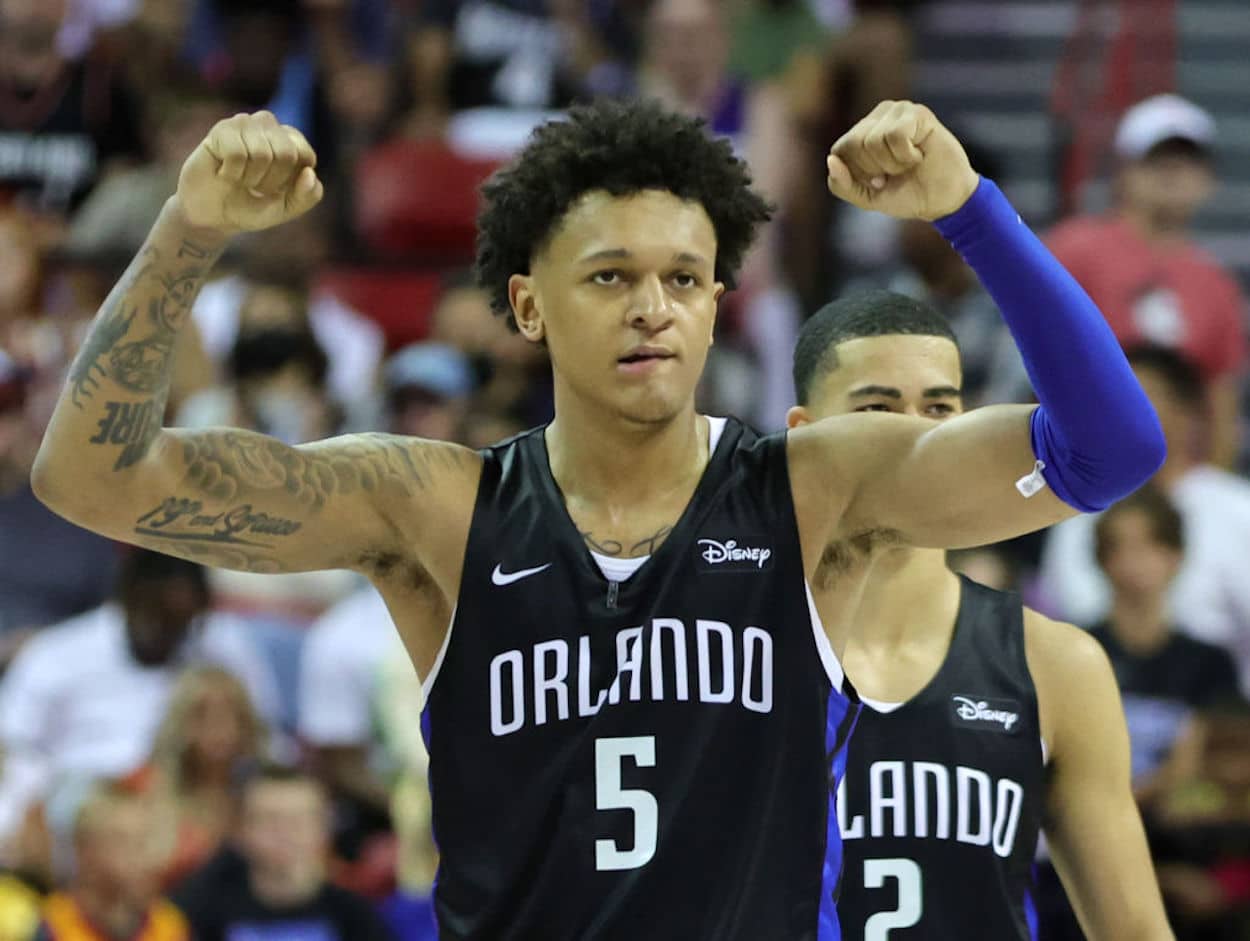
627	693
982	720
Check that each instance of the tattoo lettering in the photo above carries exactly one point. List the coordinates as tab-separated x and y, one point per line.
180	519
132	424
614	547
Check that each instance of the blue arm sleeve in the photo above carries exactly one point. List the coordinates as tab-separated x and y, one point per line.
1095	433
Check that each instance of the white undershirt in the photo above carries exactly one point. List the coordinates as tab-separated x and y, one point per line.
879	705
619	570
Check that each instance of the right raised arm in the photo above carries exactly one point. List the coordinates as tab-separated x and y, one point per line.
229	497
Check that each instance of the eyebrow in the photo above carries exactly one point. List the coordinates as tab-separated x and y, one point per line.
619	254
889	392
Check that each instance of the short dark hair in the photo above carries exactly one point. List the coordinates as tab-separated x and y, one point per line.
1166	525
1180	373
623	148
863	314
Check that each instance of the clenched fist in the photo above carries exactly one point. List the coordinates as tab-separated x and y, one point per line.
249	173
900	160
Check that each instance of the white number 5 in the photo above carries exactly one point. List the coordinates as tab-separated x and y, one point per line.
609	795
910	899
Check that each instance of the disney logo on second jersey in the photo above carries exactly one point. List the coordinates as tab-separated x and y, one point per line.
987	712
728	556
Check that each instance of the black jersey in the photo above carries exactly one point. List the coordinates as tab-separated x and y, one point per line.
943	796
646	759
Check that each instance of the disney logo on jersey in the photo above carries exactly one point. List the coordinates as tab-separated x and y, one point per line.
987	713
729	556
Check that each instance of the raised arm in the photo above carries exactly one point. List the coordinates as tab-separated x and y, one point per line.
228	497
996	472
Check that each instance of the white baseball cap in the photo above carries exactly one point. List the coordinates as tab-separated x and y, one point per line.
1163	117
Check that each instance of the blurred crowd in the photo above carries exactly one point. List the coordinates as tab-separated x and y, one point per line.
188	752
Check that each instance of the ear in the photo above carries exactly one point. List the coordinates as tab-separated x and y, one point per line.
718	291
522	297
798	415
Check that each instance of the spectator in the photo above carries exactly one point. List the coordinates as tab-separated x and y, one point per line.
1210	598
290	257
512	376
428	386
210	737
273	886
1165	678
61	123
114	894
507	63
1141	266
398	697
34	588
84	699
116	217
339	670
1201	835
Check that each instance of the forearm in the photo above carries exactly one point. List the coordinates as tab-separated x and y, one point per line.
111	410
1096	432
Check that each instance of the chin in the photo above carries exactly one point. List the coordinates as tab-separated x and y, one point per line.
654	407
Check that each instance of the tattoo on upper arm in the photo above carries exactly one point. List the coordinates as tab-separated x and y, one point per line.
232	465
232	474
614	547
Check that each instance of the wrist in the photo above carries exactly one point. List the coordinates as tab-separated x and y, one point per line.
985	206
208	238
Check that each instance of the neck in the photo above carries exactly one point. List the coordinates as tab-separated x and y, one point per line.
1140	622
908	591
617	462
105	910
285	889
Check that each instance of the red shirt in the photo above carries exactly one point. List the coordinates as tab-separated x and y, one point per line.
1173	295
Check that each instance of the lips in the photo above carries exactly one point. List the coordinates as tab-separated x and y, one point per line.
644	354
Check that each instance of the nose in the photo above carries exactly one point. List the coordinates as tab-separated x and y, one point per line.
649	305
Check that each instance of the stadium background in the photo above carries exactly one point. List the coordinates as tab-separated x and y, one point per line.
363	316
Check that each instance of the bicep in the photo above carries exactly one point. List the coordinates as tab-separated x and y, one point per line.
948	485
241	500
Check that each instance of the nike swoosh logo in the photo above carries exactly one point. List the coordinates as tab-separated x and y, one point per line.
500	577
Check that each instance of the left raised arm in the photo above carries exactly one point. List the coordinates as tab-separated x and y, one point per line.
1095	436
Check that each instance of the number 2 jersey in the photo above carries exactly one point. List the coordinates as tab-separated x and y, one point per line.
943	796
653	758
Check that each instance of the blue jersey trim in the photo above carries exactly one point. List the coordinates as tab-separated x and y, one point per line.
842	713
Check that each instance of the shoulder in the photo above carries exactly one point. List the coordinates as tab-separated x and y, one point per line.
1062	652
1073	678
83	638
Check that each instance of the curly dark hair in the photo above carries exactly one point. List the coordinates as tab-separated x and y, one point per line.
623	148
